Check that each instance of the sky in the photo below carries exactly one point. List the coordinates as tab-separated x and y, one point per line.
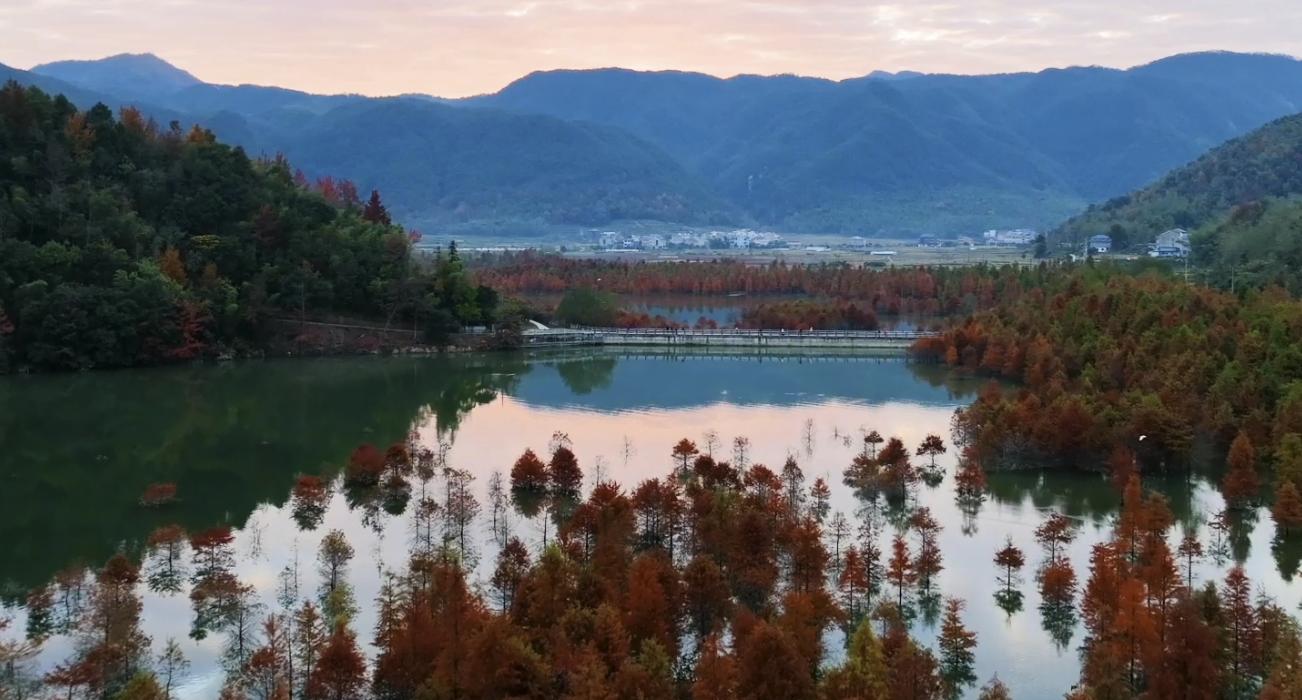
454	48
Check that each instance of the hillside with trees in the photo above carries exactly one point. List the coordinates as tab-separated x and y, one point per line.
125	243
444	166
1257	245
1262	165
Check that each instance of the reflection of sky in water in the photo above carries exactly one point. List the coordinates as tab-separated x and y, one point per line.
768	403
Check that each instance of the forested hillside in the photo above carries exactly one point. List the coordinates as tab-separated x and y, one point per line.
1257	245
443	166
932	153
124	243
1263	164
879	154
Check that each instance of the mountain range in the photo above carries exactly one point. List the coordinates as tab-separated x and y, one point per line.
881	154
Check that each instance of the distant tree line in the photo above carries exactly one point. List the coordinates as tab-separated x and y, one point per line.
892	291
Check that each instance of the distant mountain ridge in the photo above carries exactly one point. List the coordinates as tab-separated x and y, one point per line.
132	75
882	154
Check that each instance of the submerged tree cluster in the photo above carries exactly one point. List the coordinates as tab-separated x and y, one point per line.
1143	373
720	579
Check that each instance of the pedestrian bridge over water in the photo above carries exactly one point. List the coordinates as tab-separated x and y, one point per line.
721	337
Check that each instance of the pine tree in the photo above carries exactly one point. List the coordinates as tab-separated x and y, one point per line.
340	670
1243	635
1241	484
957	643
1011	560
374	210
864	673
900	570
1287	510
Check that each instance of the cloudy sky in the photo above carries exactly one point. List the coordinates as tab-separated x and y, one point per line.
462	47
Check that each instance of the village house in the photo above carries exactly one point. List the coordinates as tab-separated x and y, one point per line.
1099	244
1171	244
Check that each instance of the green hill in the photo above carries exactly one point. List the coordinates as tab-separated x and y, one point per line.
1256	245
124	243
1266	163
445	166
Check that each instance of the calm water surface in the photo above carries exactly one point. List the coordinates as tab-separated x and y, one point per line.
79	449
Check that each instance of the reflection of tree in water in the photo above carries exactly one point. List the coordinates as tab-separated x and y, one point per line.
959	385
1009	600
466	386
309	499
1086	495
1059	620
1288	555
237	434
929	608
969	510
1242	523
584	376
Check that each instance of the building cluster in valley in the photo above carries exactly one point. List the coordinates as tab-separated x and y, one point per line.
1172	244
689	240
1003	238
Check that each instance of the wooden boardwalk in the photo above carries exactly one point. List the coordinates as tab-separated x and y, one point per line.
722	337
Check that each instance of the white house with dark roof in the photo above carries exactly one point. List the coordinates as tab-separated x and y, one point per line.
1171	244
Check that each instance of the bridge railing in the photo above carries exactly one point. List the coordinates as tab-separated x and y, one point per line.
735	333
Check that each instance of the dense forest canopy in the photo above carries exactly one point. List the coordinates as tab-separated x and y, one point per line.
1256	245
125	243
1145	365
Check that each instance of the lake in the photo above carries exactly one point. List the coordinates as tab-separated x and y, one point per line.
80	449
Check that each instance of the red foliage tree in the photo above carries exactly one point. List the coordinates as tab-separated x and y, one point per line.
1241	485
1287	510
340	671
365	466
683	453
1011	560
766	659
374	211
529	473
564	473
899	571
158	494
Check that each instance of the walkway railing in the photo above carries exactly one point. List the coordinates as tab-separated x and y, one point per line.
577	335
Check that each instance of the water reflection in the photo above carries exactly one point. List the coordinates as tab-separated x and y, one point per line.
270	451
